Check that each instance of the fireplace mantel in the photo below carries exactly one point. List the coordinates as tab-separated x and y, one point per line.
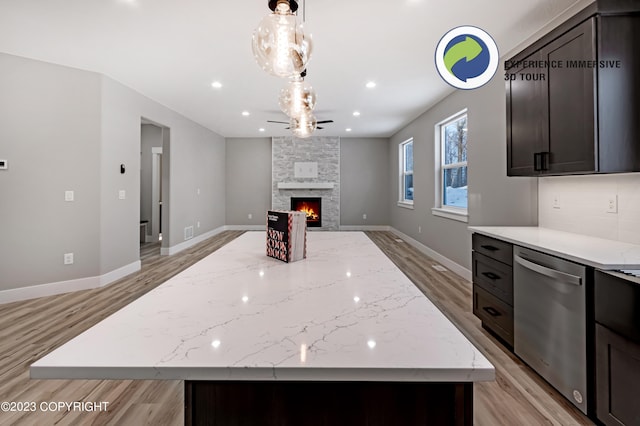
306	185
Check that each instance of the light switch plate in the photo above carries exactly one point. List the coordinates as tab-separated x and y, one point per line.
69	196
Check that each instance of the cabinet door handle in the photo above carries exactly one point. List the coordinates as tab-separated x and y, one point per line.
489	247
491	311
545	160
537	161
491	275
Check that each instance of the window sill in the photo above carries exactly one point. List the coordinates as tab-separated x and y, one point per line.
460	216
405	205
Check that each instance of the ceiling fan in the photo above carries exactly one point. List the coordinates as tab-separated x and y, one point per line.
287	123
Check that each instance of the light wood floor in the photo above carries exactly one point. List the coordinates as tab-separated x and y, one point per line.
31	329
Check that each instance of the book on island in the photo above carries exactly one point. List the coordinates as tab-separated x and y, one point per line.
286	235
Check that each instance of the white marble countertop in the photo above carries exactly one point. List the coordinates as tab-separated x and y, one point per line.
344	313
591	251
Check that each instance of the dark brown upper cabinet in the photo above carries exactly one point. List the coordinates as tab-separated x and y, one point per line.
573	97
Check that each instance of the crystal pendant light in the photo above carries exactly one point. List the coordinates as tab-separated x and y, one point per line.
303	125
297	98
279	44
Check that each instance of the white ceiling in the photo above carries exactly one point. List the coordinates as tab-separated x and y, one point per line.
171	51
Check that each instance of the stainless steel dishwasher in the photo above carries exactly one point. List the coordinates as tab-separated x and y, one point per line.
550	320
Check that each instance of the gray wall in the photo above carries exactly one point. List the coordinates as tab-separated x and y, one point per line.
66	129
494	199
364	181
248	168
50	135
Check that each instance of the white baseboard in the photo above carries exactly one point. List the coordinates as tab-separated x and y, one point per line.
446	262
365	228
60	287
262	227
168	251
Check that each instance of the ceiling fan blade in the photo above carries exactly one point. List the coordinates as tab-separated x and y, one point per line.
324	121
280	122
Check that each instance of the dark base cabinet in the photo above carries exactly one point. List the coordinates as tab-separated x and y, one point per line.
248	403
492	262
617	378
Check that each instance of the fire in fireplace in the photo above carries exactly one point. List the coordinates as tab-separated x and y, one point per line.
312	206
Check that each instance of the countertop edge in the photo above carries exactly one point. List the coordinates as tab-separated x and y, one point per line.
477	374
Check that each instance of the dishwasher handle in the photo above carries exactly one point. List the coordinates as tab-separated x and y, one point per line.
558	275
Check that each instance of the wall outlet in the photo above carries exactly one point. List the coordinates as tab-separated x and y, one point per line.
68	258
556	201
198	224
198	191
612	204
419	229
122	194
364	216
249	216
68	195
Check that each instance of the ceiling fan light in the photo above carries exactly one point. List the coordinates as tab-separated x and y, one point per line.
279	44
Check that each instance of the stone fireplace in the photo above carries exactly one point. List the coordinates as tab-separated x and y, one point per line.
312	206
307	168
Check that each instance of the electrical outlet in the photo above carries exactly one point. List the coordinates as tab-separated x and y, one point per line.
122	194
198	224
612	204
68	258
249	216
556	201
419	229
198	191
364	216
68	195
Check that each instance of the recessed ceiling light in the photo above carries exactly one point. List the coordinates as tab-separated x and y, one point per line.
348	129
246	113
371	84
216	85
356	113
261	129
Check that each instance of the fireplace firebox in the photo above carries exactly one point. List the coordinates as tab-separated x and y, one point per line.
312	206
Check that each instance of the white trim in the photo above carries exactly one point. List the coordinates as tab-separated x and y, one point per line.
448	263
348	228
461	216
246	227
60	287
306	185
401	174
405	205
168	251
116	274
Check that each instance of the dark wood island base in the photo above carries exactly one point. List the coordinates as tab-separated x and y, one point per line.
298	403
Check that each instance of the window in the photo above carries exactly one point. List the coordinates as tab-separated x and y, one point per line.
451	157
406	174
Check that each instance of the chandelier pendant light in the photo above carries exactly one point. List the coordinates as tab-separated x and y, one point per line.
297	98
279	44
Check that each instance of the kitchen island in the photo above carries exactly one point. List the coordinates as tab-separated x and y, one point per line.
341	337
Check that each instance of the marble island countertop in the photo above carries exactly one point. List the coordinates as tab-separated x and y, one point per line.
591	251
344	313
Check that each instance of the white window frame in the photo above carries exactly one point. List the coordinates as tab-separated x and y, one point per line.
439	209
403	202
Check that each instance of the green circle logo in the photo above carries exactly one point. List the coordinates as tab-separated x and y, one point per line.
466	57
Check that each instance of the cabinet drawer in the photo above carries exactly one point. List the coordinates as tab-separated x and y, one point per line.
493	276
495	249
494	313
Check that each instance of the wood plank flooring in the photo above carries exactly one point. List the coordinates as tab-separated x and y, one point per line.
31	329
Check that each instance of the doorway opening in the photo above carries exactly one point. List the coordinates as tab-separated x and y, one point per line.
154	185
